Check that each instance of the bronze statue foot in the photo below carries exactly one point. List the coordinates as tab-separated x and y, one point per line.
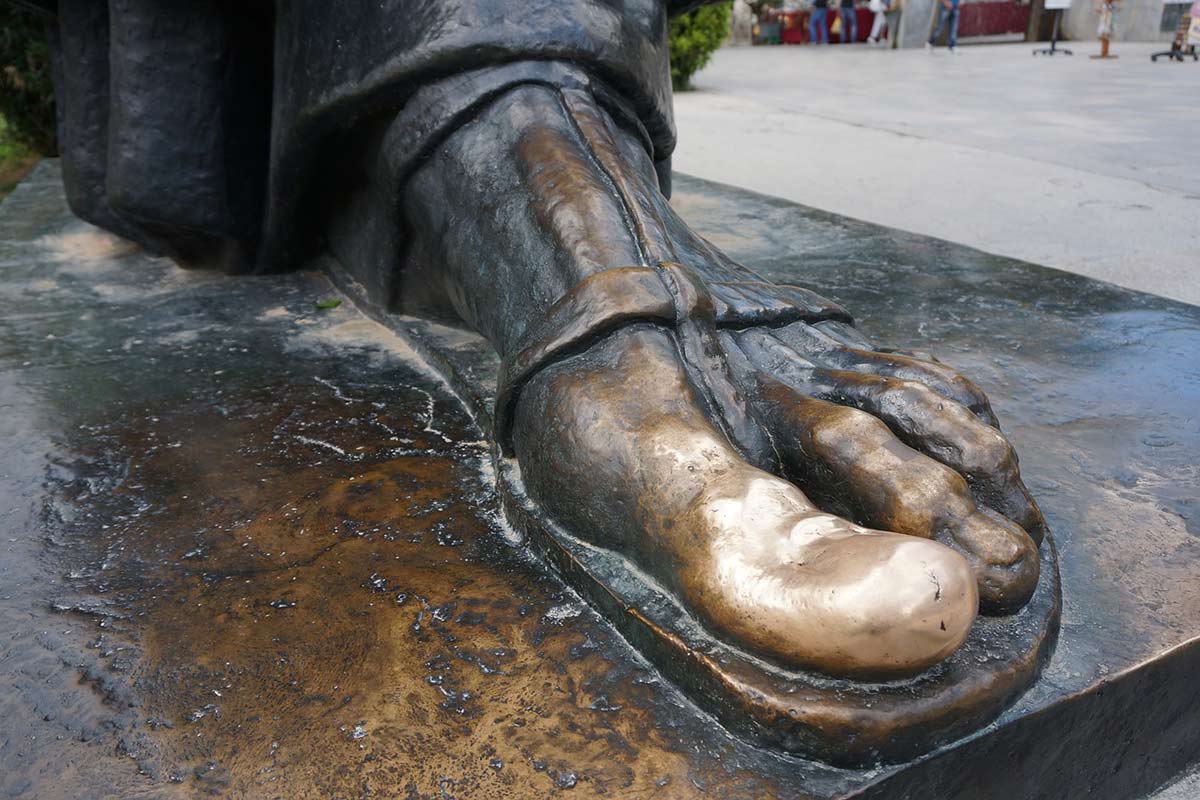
615	442
736	439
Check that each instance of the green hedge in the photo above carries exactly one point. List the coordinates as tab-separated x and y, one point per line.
26	90
694	37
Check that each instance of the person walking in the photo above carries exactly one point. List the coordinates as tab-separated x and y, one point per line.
893	22
879	8
816	22
849	22
947	12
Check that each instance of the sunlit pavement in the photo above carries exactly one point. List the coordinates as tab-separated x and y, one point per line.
1084	165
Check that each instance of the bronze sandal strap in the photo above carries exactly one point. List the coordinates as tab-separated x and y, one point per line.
667	295
707	367
597	305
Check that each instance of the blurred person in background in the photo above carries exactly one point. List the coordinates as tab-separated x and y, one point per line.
879	8
816	22
947	12
849	22
893	22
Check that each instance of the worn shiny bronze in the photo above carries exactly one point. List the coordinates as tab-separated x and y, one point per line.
744	549
816	504
678	387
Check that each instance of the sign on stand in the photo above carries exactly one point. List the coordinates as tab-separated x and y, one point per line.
1058	6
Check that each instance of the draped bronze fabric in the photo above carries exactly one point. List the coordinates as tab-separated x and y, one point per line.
200	128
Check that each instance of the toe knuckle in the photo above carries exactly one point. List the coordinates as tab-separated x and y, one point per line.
914	394
845	422
990	453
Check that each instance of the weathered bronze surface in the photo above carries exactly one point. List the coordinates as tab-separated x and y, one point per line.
199	596
251	549
656	409
824	508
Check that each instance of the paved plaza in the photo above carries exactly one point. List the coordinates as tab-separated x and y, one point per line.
1088	166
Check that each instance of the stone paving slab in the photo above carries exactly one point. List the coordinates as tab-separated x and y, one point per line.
1086	166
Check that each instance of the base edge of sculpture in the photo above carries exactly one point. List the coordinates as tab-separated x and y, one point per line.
844	722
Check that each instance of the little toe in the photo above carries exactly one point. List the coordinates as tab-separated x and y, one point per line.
851	463
849	335
846	334
922	355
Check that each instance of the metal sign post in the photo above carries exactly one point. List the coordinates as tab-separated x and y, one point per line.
1057	6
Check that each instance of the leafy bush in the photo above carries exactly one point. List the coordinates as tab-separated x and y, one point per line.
694	37
26	90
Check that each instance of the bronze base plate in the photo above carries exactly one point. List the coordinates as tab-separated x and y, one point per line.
219	497
842	722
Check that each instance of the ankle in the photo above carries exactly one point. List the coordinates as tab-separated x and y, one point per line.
515	208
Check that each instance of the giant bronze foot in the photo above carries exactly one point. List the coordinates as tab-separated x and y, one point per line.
818	504
796	526
618	442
